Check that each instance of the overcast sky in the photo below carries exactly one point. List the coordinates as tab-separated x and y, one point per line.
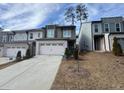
28	16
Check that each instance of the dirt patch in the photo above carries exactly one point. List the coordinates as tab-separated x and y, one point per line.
97	71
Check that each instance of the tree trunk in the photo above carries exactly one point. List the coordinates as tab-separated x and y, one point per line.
78	65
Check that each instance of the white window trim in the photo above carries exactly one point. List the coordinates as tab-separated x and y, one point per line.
119	27
39	35
32	36
53	34
108	27
97	28
67	31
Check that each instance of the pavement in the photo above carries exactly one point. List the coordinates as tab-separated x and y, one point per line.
37	73
4	60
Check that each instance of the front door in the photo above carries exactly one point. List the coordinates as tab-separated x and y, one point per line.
97	43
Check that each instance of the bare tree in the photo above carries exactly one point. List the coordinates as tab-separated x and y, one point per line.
81	13
70	15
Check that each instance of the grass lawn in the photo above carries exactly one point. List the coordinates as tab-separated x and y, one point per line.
97	71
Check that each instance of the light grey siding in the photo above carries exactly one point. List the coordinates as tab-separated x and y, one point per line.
112	22
59	33
99	28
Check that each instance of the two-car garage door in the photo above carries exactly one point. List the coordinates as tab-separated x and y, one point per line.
52	47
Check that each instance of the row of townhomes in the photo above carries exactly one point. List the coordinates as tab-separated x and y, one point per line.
51	39
98	35
54	39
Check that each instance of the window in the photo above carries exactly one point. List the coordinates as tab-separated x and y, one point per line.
66	33
42	44
106	26
4	38
31	35
117	27
60	44
38	34
50	33
48	44
96	28
54	44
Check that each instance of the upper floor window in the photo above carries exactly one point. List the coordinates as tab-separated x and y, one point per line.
31	35
4	38
10	38
96	28
66	33
106	27
117	27
38	34
50	33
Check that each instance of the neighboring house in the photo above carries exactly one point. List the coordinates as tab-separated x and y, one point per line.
98	35
49	40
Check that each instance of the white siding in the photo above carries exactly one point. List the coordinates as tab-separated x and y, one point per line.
35	35
85	37
107	42
20	36
99	28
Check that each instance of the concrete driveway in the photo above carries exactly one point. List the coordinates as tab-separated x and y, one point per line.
36	73
4	60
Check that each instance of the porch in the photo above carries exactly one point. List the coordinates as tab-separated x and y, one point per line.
99	43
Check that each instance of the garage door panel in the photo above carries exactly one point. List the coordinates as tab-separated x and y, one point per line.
53	48
12	52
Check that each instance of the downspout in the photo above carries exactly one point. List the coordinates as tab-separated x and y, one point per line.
27	39
92	36
14	33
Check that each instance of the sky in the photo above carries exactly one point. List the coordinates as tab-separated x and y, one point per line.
30	16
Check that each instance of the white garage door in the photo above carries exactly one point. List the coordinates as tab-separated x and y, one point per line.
12	51
52	48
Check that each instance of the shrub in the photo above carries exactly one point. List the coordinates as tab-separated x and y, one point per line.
76	54
68	52
117	50
18	57
28	53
